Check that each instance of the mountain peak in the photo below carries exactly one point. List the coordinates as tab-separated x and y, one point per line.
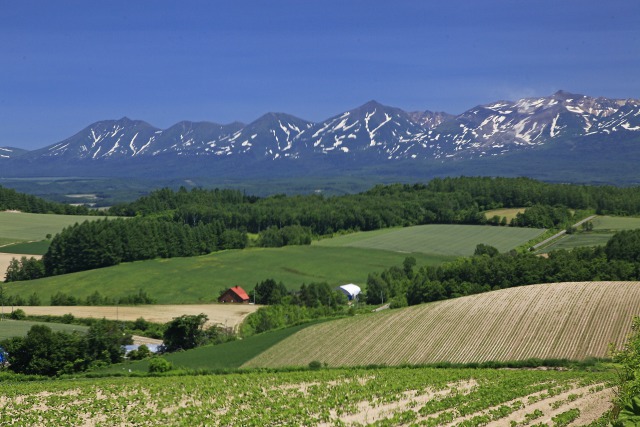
563	95
370	104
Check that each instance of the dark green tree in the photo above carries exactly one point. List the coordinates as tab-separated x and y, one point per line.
105	341
185	332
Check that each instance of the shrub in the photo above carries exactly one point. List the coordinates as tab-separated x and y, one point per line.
18	314
159	365
315	365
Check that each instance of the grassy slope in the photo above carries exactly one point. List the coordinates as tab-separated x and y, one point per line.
17	227
224	356
19	328
566	320
457	240
200	279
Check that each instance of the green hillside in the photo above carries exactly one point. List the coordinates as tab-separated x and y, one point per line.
19	227
18	328
604	227
550	321
222	356
200	279
448	240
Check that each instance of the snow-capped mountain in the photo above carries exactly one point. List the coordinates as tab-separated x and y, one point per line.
372	134
11	152
505	126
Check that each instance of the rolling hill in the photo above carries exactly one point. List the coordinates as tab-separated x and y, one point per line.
200	279
340	260
547	321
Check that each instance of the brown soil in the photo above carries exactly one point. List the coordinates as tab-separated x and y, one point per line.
230	315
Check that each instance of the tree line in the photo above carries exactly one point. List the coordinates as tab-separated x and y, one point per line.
489	270
96	244
288	308
13	200
169	223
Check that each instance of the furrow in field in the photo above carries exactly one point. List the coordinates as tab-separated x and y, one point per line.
562	320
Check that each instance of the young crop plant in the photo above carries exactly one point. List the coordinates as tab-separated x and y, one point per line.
565	418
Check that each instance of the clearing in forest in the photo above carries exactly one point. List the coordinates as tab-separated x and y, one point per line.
440	239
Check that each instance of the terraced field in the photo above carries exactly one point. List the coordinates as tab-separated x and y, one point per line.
441	239
561	321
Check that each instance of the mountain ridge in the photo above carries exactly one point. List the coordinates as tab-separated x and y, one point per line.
371	135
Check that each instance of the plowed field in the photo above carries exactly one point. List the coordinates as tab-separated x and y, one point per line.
561	320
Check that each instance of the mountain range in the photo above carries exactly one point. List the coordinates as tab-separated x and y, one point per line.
601	133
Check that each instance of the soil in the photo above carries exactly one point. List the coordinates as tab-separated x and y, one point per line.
229	315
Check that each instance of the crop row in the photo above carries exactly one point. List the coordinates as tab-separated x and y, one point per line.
300	398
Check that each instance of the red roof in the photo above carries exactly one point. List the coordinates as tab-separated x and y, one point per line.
240	292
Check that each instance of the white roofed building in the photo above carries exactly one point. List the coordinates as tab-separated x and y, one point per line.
350	290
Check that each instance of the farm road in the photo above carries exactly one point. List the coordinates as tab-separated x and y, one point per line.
555	236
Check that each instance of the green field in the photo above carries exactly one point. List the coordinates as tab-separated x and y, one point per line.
27	248
19	328
200	279
344	259
223	356
579	240
604	227
615	223
438	239
335	397
20	227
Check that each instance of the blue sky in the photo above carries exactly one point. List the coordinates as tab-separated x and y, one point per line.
66	64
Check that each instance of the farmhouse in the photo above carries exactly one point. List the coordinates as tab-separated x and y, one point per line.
234	294
350	290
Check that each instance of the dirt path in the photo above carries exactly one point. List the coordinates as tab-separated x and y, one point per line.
561	233
230	315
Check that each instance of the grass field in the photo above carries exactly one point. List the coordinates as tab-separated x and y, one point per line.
604	227
19	328
200	279
615	223
549	321
578	240
27	248
223	356
20	227
446	240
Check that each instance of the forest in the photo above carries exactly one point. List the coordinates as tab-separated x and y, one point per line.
169	223
13	200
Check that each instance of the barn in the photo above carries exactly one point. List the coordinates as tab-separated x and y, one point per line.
235	294
350	290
